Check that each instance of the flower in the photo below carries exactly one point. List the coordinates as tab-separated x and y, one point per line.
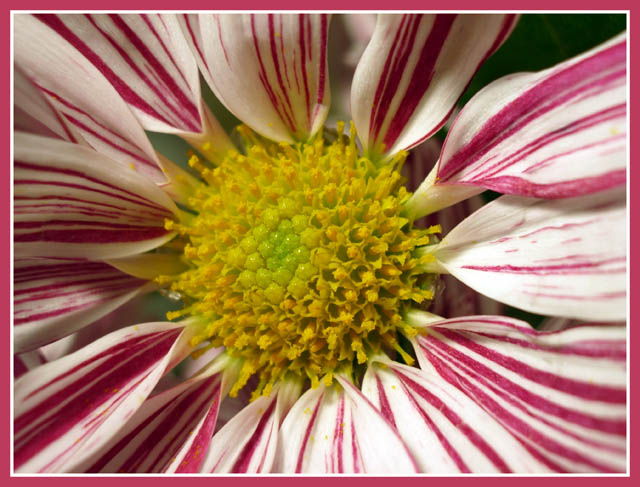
302	276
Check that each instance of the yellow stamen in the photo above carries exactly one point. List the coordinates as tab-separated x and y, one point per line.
300	260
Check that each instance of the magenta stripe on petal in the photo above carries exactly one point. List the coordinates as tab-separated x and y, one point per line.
132	197
185	110
284	112
107	379
384	406
455	420
575	187
195	456
184	116
549	408
420	79
76	300
162	432
500	126
610	349
101	137
81	187
307	434
446	445
61	270
411	75
338	437
569	386
558	134
245	457
514	423
91	235
587	267
276	61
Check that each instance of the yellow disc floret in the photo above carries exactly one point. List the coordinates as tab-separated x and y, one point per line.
300	259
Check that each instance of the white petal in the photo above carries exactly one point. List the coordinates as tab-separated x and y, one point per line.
78	90
445	430
248	442
554	134
54	298
72	202
413	72
270	71
339	431
453	298
167	426
562	395
554	257
67	409
145	58
35	114
25	362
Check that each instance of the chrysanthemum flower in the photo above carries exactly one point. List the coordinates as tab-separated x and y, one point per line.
295	253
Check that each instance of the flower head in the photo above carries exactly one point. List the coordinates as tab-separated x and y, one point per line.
308	285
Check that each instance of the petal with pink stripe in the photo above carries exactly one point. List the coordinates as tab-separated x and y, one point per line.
68	409
453	298
71	202
554	134
35	114
144	57
561	395
338	430
78	90
446	431
174	426
554	257
248	442
270	70
413	72
23	363
54	298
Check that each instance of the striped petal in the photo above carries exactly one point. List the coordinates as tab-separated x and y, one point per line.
560	395
553	257
78	90
554	134
248	442
453	298
446	431
54	298
331	430
34	113
166	428
68	409
413	72
270	71
71	202
145	58
25	362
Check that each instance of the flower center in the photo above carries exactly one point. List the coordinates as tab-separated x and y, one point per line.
300	258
